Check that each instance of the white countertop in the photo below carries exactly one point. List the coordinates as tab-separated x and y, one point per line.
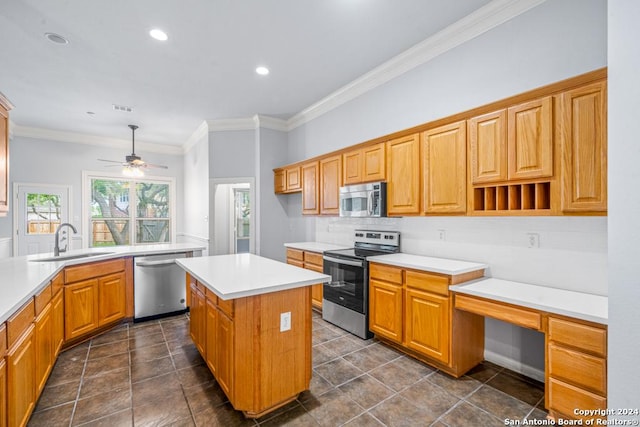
22	277
435	265
243	275
316	246
579	305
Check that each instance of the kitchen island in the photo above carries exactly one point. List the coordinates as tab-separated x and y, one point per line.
251	322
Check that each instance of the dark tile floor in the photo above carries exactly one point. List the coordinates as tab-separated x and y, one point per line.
150	374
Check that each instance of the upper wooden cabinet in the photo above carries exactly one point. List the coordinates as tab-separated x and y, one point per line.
530	139
403	175
364	165
444	175
488	147
583	142
330	182
288	180
310	188
5	106
511	144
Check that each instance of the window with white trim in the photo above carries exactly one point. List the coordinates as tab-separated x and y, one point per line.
128	211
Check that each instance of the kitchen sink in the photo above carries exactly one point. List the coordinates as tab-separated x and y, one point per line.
70	257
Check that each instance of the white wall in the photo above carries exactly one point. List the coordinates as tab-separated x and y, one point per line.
232	153
554	41
196	194
624	205
52	162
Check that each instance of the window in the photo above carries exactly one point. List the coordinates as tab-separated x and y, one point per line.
43	213
129	211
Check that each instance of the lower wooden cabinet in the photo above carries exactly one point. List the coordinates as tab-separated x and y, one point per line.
225	352
198	325
81	313
43	347
413	311
21	379
576	367
57	314
94	297
211	337
310	261
3	392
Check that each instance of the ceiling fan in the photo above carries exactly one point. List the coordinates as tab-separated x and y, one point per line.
133	164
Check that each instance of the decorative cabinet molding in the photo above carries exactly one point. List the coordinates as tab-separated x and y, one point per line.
403	175
5	107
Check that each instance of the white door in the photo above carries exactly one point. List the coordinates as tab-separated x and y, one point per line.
40	208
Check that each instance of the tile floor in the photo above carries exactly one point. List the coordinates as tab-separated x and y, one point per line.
150	374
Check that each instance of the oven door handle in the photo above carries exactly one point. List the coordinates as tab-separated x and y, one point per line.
342	261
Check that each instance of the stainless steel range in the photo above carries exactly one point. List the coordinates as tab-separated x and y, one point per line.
346	298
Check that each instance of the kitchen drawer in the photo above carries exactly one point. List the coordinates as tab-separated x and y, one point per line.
565	398
385	273
501	311
202	288
313	267
428	282
577	368
3	340
92	270
42	299
20	322
296	254
313	258
585	337
295	262
57	283
211	296
226	306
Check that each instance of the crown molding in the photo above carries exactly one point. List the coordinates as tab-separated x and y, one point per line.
79	138
272	123
196	136
473	25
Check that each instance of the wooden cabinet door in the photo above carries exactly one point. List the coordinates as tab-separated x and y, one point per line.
43	347
211	329
4	160
427	324
530	139
197	324
293	179
81	308
373	163
352	167
310	189
330	182
488	147
279	181
385	310
57	315
444	158
111	297
225	353
583	140
21	379
403	175
3	393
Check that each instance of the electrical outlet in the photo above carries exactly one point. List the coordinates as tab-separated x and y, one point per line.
442	235
285	321
533	240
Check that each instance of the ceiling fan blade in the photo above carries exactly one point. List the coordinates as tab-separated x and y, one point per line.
151	165
110	161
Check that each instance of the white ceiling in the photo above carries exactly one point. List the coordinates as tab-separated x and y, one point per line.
205	71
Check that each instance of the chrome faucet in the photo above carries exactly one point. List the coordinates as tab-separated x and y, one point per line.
56	246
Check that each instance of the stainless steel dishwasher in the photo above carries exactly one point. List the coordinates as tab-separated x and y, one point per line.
159	286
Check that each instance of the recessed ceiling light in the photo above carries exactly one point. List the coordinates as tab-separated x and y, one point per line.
56	38
158	34
263	71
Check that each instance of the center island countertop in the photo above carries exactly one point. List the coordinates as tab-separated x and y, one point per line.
243	275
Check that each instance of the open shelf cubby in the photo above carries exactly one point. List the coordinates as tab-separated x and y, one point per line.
512	197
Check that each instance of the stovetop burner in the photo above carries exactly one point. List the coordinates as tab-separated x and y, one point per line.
369	243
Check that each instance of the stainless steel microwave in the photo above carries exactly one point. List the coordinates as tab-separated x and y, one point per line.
364	200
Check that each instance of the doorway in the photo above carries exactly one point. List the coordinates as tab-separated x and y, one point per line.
40	209
233	216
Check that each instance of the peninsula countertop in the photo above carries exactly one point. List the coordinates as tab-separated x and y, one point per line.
242	275
23	277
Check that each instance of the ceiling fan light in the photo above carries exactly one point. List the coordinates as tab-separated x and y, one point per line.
133	172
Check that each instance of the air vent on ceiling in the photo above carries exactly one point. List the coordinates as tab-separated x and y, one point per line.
123	108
